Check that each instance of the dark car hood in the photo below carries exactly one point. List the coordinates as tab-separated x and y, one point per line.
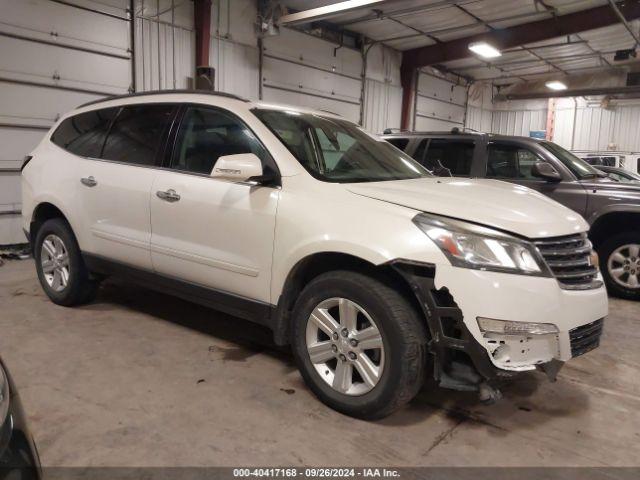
628	190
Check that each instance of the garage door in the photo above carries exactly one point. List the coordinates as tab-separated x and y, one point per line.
440	105
299	69
54	55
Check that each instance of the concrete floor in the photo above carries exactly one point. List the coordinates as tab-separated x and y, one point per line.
141	379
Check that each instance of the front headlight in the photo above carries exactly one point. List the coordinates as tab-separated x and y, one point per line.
4	396
473	246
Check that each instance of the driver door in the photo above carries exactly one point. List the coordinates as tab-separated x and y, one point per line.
513	163
208	231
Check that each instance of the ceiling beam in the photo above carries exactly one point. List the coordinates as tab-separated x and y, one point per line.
521	34
624	22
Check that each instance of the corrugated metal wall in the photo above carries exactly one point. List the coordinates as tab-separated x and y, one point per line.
582	125
234	49
164	44
383	93
480	107
519	117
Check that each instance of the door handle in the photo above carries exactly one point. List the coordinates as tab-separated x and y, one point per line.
89	181
168	196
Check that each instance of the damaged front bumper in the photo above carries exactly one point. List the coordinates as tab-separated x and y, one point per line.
465	357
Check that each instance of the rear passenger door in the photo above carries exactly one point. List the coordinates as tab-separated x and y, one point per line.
455	155
114	184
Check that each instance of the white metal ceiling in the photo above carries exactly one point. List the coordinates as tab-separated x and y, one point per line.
408	24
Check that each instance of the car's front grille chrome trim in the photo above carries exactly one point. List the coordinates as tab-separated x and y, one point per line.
569	259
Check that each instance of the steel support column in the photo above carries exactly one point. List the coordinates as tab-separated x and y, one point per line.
409	80
202	23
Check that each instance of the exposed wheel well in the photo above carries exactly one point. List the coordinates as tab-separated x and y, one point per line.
314	265
43	212
612	224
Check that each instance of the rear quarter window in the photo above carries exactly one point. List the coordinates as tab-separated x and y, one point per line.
84	134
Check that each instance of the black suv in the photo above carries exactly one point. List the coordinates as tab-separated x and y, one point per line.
611	208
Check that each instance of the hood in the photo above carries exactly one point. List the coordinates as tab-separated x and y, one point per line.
501	205
627	188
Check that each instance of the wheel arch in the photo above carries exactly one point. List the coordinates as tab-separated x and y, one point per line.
313	265
614	222
44	211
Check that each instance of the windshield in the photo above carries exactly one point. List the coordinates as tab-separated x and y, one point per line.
579	167
335	150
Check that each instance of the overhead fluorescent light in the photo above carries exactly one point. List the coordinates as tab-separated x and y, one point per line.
484	50
328	11
555	85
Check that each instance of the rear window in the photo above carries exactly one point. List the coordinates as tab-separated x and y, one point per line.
400	143
84	134
137	134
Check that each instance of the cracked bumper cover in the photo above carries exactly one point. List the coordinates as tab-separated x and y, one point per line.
452	298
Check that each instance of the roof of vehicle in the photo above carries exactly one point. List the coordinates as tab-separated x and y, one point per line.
154	94
161	92
460	134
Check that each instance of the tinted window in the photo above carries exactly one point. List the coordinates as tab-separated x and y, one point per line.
206	135
84	134
455	155
400	143
336	150
419	153
619	178
136	134
510	161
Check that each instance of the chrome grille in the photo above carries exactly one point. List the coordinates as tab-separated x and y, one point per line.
585	337
569	258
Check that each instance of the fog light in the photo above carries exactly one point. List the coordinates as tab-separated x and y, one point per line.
505	327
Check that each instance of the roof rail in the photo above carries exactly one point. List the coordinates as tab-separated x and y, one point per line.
164	92
389	131
456	130
329	111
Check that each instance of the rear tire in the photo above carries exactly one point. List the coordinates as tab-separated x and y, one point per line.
620	264
61	269
386	367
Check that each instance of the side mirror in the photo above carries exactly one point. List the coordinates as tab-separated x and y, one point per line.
240	168
546	171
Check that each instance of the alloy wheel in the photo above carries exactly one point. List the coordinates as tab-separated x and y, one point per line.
345	346
624	266
54	261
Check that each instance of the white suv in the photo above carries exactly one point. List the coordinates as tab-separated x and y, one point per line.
375	272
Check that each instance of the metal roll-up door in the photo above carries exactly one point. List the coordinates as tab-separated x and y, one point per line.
298	69
54	56
440	104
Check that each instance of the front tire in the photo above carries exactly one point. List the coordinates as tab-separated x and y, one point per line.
61	270
359	344
620	265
